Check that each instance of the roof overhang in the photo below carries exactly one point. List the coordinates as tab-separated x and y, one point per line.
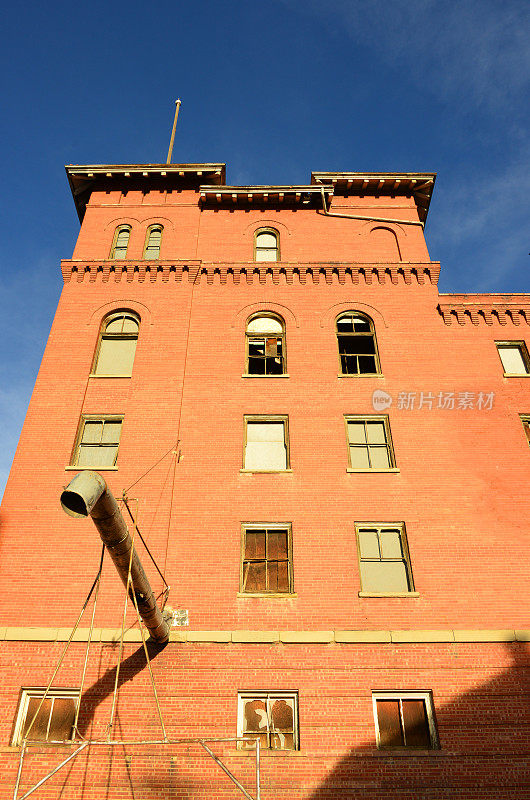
83	179
419	185
306	195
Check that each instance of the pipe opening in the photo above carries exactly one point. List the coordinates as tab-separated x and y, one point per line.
73	504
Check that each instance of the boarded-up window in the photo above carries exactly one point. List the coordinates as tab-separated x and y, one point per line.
384	245
152	243
267	245
98	442
384	562
121	242
117	345
48	720
265	346
369	443
405	721
266	565
514	357
273	717
357	345
266	445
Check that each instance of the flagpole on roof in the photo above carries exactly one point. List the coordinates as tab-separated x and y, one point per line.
170	151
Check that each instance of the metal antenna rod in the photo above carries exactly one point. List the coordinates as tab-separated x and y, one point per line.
170	151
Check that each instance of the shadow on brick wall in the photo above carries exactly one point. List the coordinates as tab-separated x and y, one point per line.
484	753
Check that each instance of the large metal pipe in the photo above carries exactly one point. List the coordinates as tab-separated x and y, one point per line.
88	495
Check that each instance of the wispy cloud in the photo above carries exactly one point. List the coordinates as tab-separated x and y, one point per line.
476	50
473	58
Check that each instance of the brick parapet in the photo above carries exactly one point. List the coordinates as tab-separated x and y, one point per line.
487	309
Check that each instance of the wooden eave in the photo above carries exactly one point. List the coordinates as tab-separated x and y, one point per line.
83	179
419	185
309	196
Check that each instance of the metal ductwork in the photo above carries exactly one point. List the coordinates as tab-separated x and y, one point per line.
88	495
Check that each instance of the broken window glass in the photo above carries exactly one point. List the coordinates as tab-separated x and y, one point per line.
265	352
357	347
271	716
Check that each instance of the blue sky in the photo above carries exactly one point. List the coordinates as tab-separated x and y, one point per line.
274	88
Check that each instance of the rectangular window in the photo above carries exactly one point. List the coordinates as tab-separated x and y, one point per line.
369	443
266	444
404	719
526	426
514	357
54	721
266	559
97	442
273	716
384	561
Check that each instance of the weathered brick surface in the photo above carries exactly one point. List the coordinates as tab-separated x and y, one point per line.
461	489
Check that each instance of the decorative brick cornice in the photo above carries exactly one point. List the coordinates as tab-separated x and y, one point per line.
248	272
489	311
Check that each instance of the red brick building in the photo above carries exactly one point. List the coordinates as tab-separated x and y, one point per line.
354	566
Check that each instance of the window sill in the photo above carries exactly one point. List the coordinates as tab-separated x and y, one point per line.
275	595
94	375
97	468
265	752
265	471
285	375
389	594
517	375
390	469
367	375
407	751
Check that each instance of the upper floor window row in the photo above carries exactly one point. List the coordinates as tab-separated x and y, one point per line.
265	345
356	339
266	243
120	242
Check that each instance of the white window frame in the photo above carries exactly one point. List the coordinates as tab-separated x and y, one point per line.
284	419
258	249
429	707
523	351
268	697
25	696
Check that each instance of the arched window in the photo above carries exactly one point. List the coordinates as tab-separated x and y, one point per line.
117	344
357	344
267	245
121	242
265	345
152	242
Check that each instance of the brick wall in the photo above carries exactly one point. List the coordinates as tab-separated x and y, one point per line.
460	488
